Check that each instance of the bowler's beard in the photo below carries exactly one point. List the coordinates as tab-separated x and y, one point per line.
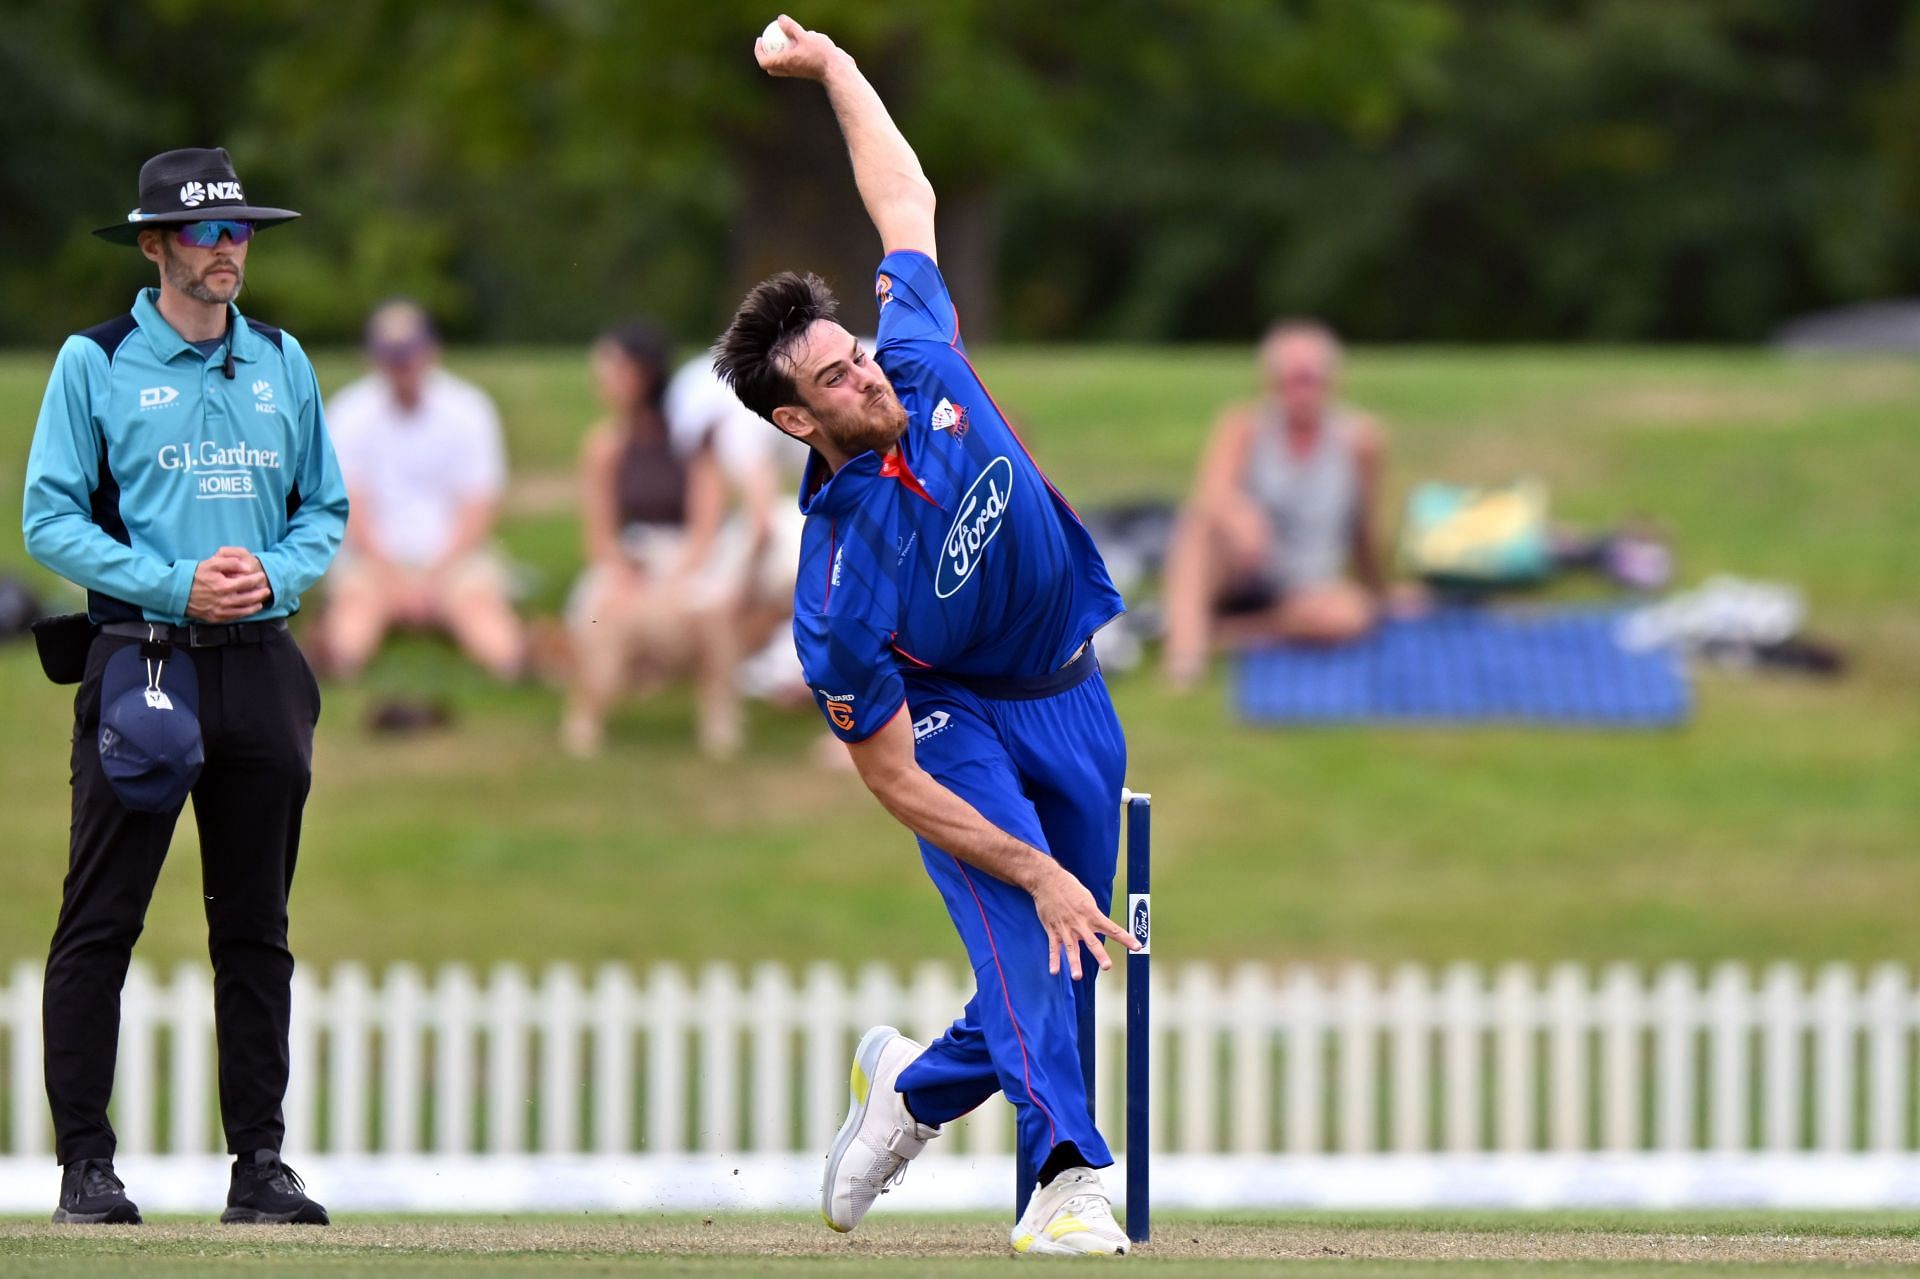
182	278
876	428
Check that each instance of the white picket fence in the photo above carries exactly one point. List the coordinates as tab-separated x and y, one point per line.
1296	1076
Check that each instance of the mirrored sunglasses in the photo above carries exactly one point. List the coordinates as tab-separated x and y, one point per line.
204	235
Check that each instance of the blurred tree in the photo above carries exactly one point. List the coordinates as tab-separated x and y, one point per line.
1433	169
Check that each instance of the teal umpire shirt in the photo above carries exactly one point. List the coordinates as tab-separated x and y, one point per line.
148	458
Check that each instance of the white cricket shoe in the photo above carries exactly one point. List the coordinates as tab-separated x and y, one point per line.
879	1136
1070	1216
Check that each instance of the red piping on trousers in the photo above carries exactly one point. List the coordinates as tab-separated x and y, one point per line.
1026	1068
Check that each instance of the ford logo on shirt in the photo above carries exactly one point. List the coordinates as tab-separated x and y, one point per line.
983	510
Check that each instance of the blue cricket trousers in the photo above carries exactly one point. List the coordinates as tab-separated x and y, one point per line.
1046	767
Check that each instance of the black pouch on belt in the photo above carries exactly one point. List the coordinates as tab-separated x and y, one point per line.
63	642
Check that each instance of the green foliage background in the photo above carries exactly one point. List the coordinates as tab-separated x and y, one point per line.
1132	169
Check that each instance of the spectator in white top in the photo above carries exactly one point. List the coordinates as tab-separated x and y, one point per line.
425	466
758	547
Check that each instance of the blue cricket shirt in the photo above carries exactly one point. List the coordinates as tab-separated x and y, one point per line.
951	554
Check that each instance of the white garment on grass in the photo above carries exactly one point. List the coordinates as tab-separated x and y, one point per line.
409	474
658	550
701	407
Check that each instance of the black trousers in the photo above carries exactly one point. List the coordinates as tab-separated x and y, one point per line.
258	707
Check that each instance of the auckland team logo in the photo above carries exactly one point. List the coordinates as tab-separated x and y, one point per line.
948	416
983	510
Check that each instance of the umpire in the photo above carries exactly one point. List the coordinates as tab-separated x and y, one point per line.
181	473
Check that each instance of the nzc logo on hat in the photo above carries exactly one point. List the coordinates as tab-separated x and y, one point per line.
187	185
150	746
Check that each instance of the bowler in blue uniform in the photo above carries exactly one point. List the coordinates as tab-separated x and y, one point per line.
945	611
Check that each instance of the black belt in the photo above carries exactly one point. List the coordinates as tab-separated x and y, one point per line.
198	634
1079	668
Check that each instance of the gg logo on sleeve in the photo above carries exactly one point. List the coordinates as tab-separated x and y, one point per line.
839	709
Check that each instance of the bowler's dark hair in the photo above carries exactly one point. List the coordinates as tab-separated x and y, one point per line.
755	355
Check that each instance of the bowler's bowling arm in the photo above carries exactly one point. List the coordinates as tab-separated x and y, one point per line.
894	188
887	765
892	185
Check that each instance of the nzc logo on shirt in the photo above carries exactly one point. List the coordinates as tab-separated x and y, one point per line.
983	510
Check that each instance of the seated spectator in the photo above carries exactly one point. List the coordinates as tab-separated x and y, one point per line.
425	466
758	549
650	602
1277	542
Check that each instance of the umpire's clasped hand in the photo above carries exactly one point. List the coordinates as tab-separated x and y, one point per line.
228	586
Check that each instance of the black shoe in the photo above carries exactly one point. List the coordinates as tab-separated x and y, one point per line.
90	1195
265	1191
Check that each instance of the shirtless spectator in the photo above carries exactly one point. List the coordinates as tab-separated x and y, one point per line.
425	467
1278	540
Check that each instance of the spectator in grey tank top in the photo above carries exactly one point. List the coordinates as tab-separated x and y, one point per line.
1278	540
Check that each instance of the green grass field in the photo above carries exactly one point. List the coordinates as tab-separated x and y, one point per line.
1347	1245
1781	823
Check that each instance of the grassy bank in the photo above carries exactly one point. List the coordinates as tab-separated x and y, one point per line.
1781	823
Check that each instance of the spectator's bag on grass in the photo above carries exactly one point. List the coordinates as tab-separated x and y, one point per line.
1458	536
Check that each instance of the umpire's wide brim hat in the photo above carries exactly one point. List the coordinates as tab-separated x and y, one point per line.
190	185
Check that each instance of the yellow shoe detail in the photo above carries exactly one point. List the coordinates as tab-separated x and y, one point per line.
831	1225
1023	1243
860	1084
1063	1226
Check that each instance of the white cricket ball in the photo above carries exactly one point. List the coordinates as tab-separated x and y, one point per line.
774	38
